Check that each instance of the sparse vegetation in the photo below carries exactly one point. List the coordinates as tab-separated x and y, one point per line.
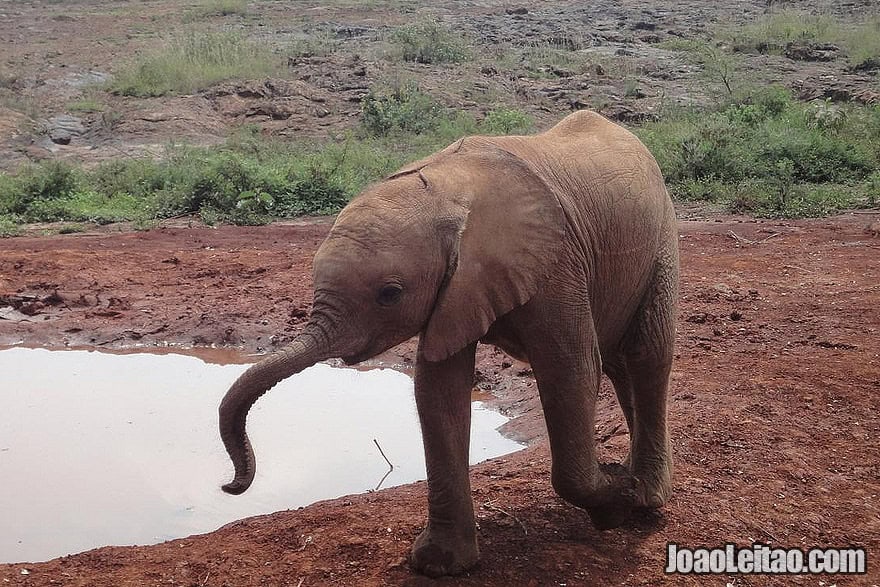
209	8
775	31
193	61
553	58
319	44
719	66
86	105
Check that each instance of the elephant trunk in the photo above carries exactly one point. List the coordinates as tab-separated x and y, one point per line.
303	352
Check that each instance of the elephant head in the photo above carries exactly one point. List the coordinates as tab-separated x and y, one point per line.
441	248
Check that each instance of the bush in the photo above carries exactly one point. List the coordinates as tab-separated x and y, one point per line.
402	108
193	62
9	226
766	154
37	184
430	42
506	121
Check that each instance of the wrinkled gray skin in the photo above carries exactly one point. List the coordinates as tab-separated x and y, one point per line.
561	248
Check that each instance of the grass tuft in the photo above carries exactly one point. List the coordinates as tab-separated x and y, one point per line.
194	61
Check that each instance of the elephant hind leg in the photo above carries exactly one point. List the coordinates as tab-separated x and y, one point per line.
565	358
643	380
615	369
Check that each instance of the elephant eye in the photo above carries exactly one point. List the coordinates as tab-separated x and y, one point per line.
389	294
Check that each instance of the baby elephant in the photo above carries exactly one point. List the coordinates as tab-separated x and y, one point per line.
560	248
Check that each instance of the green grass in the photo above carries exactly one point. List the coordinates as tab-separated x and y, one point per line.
194	61
430	42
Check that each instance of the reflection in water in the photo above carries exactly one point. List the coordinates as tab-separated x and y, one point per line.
100	449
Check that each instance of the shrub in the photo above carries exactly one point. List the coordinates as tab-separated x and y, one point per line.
36	184
430	42
816	156
505	121
402	108
8	226
766	154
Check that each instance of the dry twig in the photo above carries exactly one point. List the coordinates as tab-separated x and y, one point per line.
390	466
747	241
491	506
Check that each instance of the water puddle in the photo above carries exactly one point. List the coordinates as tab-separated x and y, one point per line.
99	449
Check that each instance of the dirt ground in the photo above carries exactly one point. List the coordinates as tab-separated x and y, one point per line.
774	402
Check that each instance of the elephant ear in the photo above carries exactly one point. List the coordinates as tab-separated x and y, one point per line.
504	227
422	163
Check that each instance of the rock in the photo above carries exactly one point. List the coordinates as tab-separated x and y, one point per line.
517	10
847	89
351	31
626	114
644	26
868	65
809	51
64	128
89	78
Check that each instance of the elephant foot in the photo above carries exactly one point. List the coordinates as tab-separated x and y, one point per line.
614	502
654	484
437	553
609	502
654	476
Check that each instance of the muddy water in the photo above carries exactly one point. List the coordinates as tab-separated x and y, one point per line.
100	449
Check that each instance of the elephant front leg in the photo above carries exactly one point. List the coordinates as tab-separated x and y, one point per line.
443	397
